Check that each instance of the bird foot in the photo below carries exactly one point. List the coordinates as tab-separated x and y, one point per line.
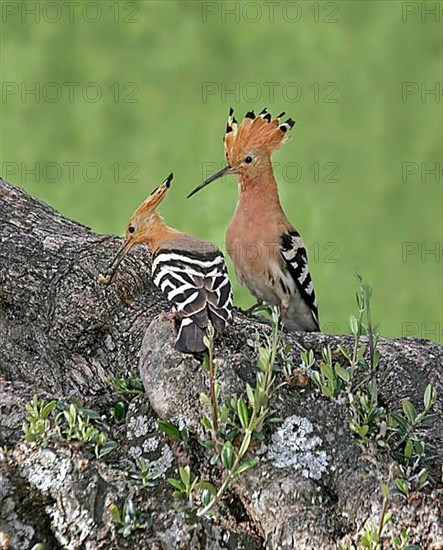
249	310
169	315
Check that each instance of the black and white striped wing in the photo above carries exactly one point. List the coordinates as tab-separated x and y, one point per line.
219	295
196	284
296	260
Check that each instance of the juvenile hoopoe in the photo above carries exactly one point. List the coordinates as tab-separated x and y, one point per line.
268	253
191	273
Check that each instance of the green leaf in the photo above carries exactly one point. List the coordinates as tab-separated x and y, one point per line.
430	397
48	408
207	342
419	447
409	409
169	429
245	444
243	413
263	358
409	447
367	289
207	443
119	411
327	355
316	378
402	486
185	474
387	517
107	448
206	423
89	413
327	371
206	486
345	353
176	483
376	358
385	491
423	477
250	394
204	398
361	351
71	414
227	455
229	436
342	373
205	497
251	463
115	513
353	325
363	430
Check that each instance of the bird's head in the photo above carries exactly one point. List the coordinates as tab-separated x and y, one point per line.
140	227
249	146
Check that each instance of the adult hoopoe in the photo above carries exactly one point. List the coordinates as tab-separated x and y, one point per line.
191	273
268	253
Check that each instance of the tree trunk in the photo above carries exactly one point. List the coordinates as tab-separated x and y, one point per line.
63	336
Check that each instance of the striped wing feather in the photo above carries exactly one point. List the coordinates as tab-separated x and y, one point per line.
196	284
296	260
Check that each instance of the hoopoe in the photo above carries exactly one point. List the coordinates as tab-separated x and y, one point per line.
191	273
268	253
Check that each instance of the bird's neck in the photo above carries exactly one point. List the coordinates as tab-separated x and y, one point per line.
258	191
159	232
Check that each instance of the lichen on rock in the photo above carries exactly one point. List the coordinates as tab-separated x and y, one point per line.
293	445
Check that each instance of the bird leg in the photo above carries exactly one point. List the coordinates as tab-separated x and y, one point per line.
170	315
249	310
283	312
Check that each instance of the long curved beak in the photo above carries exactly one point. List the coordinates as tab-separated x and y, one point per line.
216	176
112	269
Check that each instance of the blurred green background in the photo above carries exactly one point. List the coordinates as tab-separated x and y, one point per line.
126	92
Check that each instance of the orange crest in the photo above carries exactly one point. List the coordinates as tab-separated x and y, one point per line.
155	198
260	132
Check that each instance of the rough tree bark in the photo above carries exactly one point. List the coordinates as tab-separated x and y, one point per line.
64	336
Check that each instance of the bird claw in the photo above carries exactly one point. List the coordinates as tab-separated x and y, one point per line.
249	310
169	315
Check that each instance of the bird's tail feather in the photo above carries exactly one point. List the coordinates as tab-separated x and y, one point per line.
218	318
190	337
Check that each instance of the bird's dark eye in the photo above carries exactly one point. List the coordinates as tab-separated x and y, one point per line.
248	159
131	229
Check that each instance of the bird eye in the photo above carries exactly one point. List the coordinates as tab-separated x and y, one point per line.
131	229
248	159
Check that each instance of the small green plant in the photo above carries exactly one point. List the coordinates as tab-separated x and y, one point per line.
171	430
128	386
188	485
332	377
145	473
372	537
72	422
126	389
128	518
38	427
373	529
366	413
395	432
403	441
398	433
232	425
